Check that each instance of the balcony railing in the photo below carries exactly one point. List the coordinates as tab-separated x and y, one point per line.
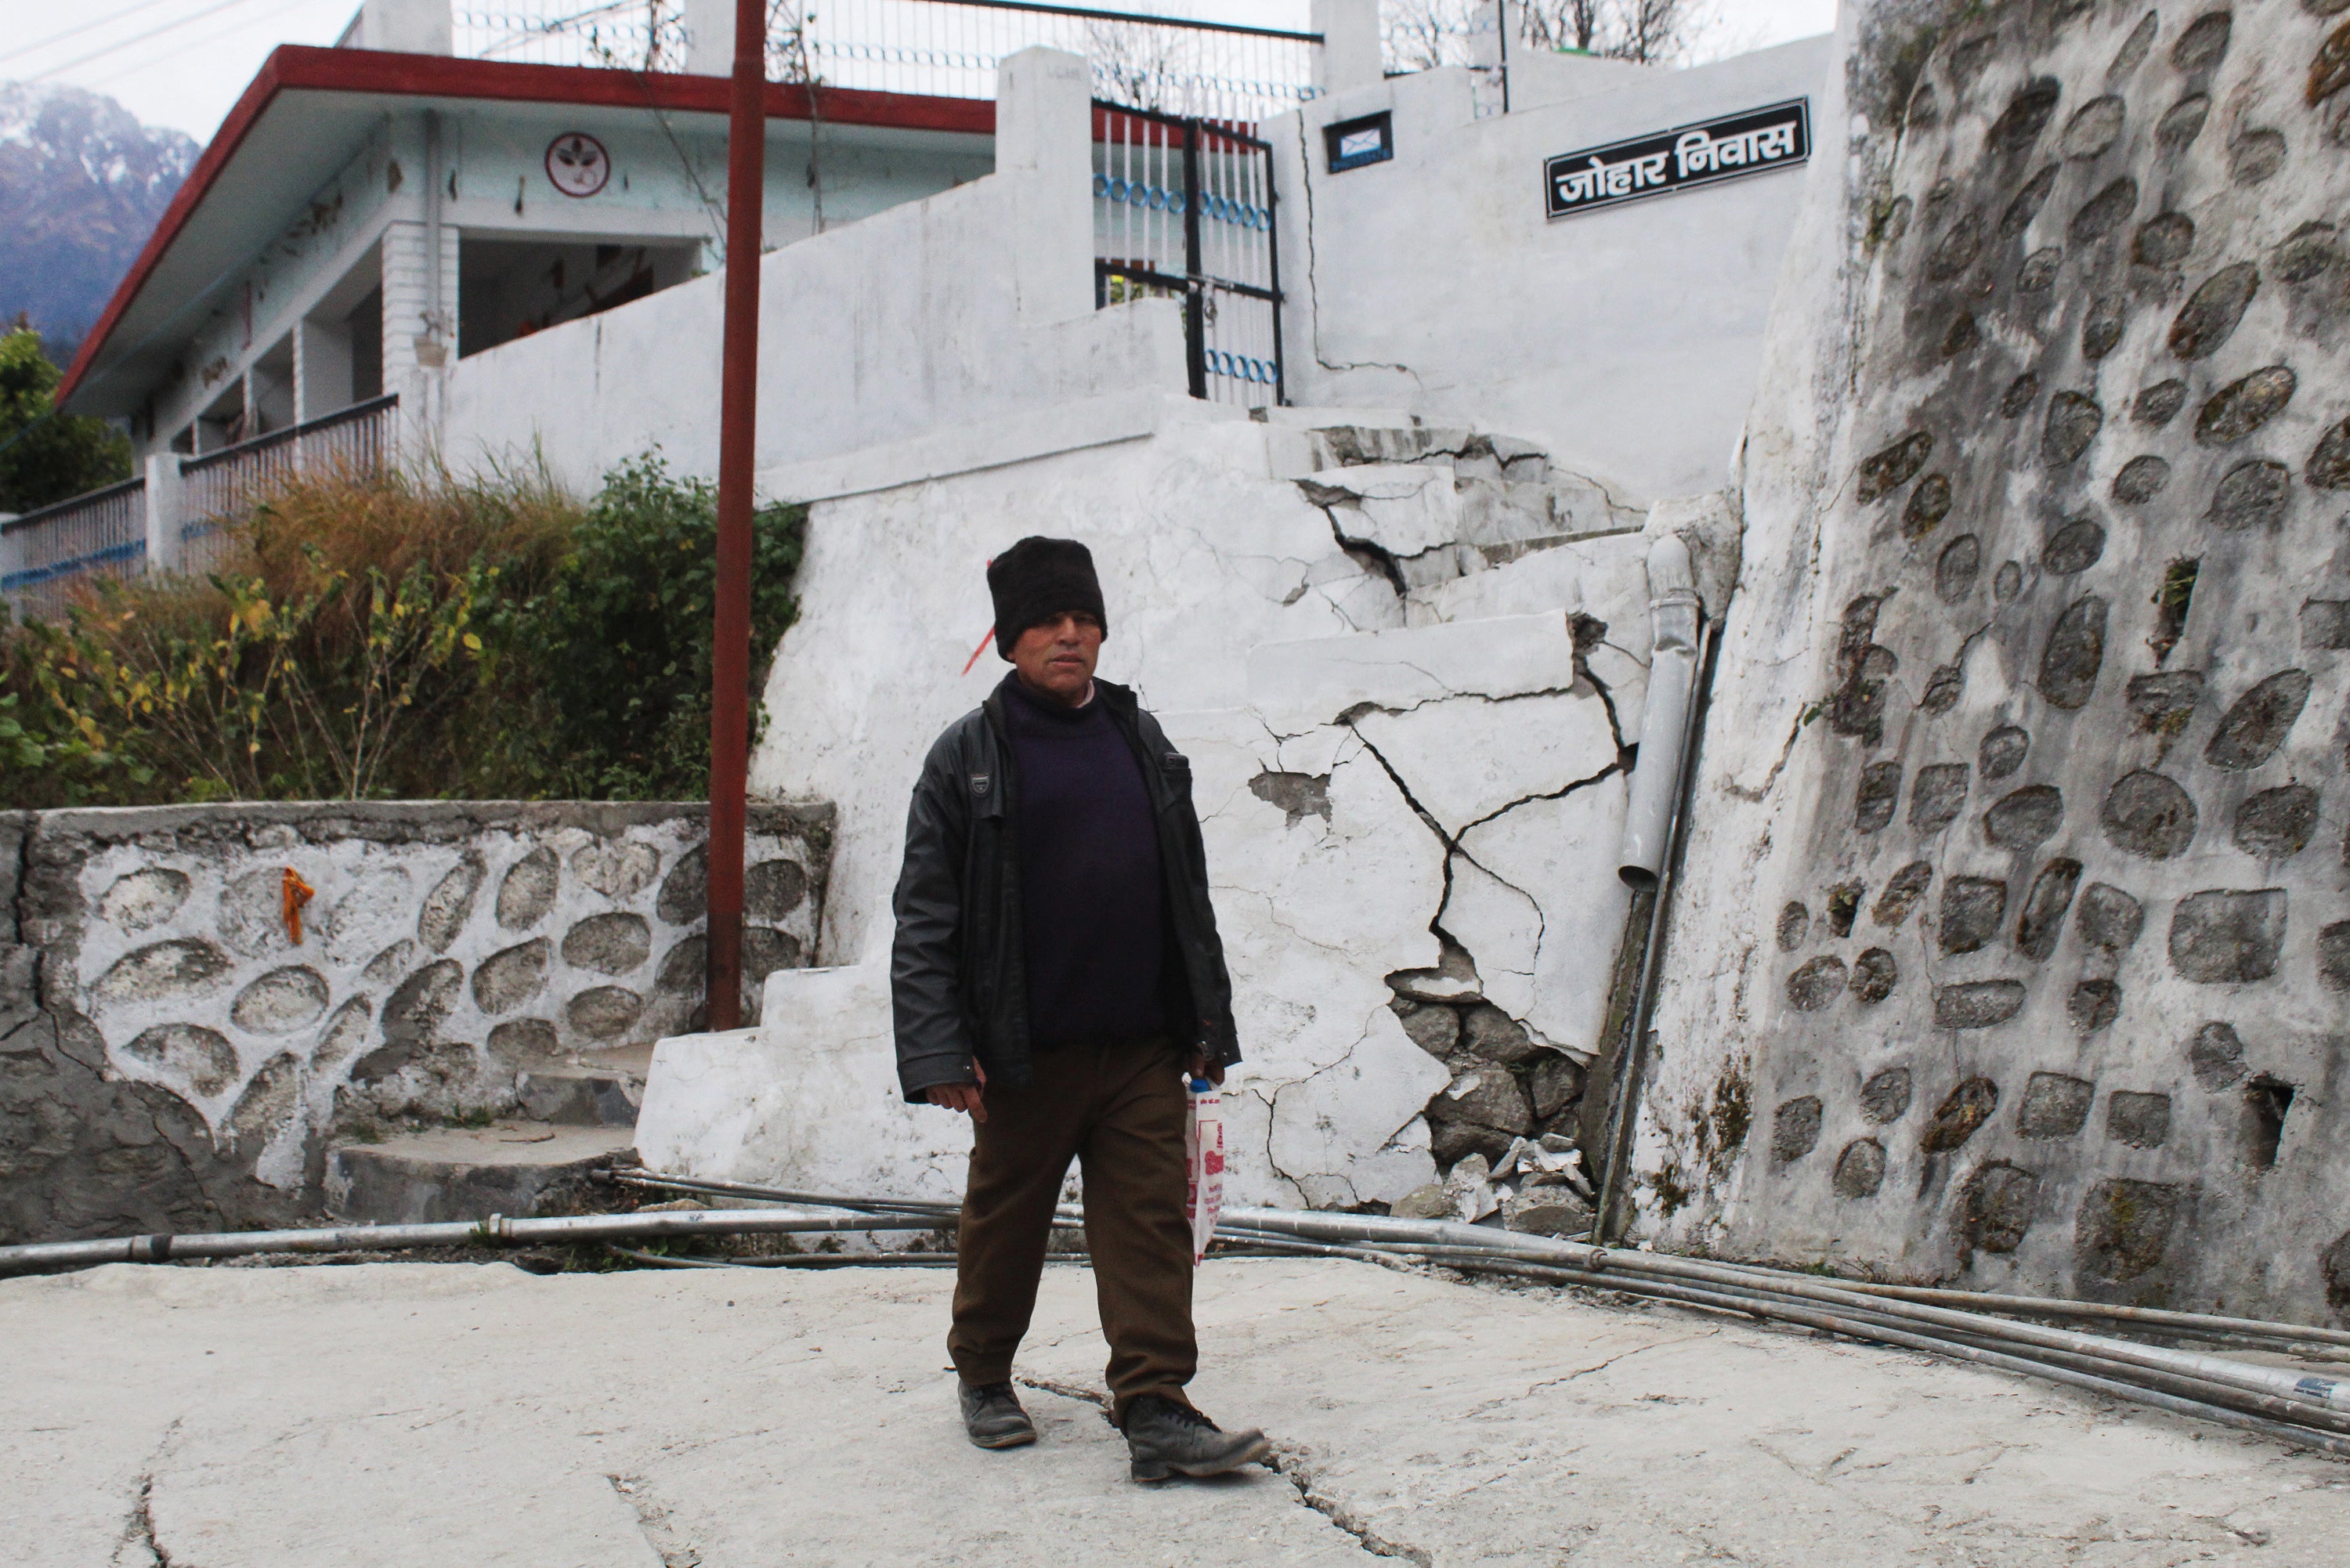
47	551
46	556
944	48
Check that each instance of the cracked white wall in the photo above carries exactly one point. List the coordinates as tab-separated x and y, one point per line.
1361	781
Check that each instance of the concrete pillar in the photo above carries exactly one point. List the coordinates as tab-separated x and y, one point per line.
710	37
416	350
408	26
322	368
1044	150
166	511
1349	55
1488	46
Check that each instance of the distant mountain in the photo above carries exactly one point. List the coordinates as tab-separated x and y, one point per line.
82	183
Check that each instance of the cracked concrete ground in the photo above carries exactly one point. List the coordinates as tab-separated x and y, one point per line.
399	1414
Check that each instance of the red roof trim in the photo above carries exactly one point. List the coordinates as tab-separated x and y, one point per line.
293	67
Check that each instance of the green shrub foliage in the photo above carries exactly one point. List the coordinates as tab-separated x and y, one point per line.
385	636
616	651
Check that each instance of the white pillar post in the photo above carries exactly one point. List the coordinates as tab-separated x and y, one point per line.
1349	55
710	37
414	359
408	26
166	511
1043	147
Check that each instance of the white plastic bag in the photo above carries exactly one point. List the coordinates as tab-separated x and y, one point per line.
1203	1159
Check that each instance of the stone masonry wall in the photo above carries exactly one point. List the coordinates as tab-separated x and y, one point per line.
176	1054
2017	955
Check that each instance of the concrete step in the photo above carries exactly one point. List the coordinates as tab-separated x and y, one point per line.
600	1091
511	1167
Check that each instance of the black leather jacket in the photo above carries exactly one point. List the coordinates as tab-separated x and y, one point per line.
958	973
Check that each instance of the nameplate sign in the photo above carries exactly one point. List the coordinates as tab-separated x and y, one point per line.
1750	142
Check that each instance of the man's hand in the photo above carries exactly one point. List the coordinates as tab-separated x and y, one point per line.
1200	1069
967	1098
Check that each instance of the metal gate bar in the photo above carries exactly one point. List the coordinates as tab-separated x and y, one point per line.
1184	209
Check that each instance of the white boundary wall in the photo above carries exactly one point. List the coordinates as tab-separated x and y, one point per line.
968	306
1625	341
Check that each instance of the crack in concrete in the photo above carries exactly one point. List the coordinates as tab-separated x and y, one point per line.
1084	1396
1448	694
139	1526
1532	1389
1610	771
652	1524
1291	1465
1385	558
1313	283
138	1523
1754	793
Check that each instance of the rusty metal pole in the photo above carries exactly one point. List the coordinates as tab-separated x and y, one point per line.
729	662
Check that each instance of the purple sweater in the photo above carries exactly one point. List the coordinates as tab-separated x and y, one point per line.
1089	876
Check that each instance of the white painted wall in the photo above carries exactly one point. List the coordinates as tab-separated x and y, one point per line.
972	305
1468	774
1625	341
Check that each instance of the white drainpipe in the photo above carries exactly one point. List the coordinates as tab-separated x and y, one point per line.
1674	613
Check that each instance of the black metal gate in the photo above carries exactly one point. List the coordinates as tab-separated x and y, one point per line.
1183	210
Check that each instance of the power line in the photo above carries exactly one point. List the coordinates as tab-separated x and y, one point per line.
234	28
34	48
102	52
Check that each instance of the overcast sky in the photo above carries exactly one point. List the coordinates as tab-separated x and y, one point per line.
181	62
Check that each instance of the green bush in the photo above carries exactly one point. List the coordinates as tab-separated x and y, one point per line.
616	653
383	636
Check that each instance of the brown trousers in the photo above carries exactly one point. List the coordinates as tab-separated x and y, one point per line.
1119	1111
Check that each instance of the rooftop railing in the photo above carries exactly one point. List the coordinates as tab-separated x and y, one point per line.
944	48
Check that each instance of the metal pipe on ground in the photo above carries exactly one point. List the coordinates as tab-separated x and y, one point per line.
1600	1259
2309	1335
1758	1301
814	1259
494	1230
693	1184
2271	1400
1851	1328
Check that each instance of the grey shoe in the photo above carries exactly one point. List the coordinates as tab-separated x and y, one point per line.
993	1416
1166	1438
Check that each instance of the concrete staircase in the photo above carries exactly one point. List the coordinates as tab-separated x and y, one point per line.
574	1117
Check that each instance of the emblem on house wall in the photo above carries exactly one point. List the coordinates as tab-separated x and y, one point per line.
577	163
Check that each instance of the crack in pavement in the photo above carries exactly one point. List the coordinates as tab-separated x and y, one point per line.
1093	1397
1532	1389
652	1524
139	1526
1291	1465
138	1523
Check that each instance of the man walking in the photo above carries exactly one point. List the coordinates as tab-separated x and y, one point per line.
1057	969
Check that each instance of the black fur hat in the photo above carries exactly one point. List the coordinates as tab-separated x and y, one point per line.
1039	580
